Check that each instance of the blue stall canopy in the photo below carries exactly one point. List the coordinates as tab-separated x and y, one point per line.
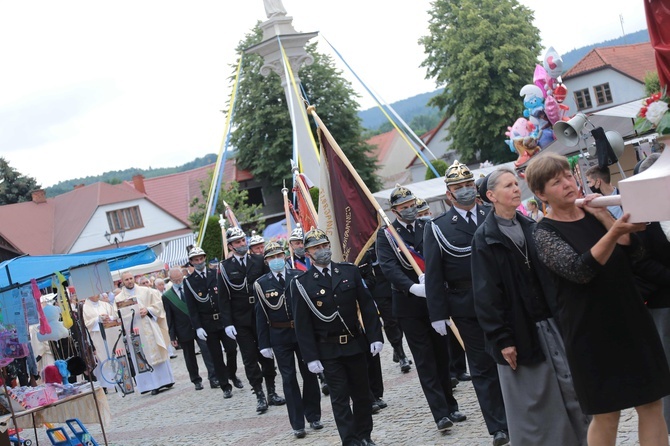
20	270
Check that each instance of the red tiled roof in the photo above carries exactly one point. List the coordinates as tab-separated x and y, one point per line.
382	143
632	60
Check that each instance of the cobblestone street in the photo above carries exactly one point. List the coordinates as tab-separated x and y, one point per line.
182	416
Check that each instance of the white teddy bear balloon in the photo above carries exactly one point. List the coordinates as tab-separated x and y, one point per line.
58	330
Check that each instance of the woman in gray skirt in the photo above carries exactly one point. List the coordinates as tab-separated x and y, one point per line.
516	315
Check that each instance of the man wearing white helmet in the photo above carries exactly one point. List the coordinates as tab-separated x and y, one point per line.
256	244
236	278
298	260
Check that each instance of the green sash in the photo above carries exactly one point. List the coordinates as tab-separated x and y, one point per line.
180	304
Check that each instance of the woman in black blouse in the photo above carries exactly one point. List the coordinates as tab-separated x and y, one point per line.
614	352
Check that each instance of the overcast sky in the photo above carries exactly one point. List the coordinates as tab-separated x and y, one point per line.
87	87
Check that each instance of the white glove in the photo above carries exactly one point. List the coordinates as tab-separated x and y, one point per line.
418	289
441	326
267	352
202	334
422	279
315	366
376	348
231	332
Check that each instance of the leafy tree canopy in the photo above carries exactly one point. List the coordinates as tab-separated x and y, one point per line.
483	52
14	186
263	134
439	165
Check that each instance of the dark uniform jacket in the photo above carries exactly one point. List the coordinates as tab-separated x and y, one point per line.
320	339
206	314
653	271
237	306
448	274
275	327
508	298
179	323
404	303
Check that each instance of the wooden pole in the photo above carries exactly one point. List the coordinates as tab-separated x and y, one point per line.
373	200
287	212
224	239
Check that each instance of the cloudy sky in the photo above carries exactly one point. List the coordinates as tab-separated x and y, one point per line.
87	87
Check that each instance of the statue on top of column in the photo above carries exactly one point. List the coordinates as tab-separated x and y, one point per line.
274	8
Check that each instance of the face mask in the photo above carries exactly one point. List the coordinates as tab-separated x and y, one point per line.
299	252
241	250
465	195
424	218
200	267
276	265
323	256
409	214
595	190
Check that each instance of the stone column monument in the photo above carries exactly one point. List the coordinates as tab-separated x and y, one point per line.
280	26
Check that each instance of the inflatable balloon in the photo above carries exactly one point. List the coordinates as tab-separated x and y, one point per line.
58	330
553	63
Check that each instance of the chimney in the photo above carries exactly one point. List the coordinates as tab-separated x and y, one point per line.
79	186
138	183
39	196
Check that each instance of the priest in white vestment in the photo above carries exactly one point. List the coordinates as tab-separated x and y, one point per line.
97	311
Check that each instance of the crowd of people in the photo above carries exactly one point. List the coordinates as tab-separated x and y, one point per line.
561	316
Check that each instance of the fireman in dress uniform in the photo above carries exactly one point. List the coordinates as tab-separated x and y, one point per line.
236	277
326	301
256	244
448	241
276	337
200	293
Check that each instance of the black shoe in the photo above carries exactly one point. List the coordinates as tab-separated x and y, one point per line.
237	382
275	400
375	408
316	425
324	388
464	377
261	402
367	442
214	384
444	424
404	365
454	382
456	416
155	392
381	403
198	386
299	433
500	438
228	393
396	358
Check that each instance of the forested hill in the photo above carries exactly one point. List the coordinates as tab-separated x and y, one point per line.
118	176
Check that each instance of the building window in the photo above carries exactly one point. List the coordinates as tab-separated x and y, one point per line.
583	99
603	94
124	219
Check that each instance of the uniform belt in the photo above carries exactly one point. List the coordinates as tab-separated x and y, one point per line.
214	316
339	339
288	324
459	285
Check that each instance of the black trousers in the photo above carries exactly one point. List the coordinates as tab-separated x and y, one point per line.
299	406
484	372
251	357
230	347
188	348
457	355
391	326
375	375
431	358
347	379
215	339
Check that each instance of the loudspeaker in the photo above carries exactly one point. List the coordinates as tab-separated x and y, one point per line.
609	146
567	133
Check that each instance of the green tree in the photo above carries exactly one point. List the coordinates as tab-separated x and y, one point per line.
439	165
248	215
263	133
212	243
651	83
14	186
483	52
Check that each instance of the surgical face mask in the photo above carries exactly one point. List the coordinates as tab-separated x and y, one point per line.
323	256
276	265
424	218
200	266
300	252
594	189
241	250
409	214
465	195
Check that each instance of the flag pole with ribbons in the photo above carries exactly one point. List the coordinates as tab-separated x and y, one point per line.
224	238
287	212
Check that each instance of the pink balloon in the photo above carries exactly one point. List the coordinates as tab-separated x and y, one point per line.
540	79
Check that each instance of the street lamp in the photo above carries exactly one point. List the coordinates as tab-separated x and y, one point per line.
116	240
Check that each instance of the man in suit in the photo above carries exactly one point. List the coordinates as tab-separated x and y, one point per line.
326	302
182	332
236	278
430	350
447	241
276	337
200	293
